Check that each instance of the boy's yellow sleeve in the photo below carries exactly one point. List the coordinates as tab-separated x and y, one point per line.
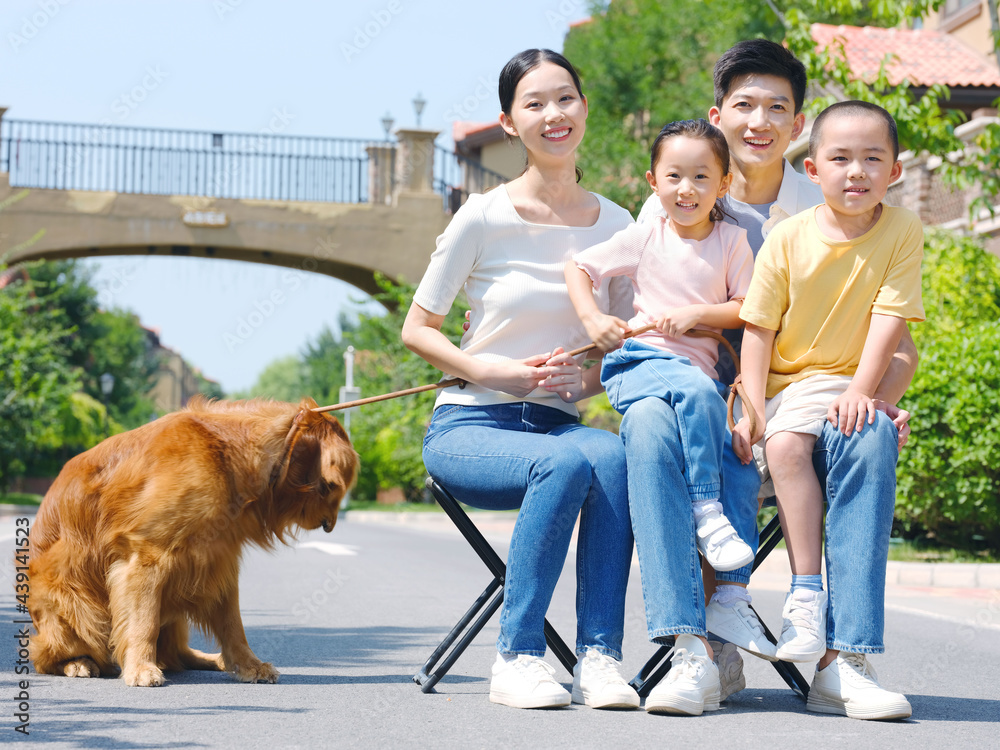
899	294
767	298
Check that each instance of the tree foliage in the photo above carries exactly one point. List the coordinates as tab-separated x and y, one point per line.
949	476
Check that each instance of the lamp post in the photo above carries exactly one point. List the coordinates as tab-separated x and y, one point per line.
348	392
107	385
387	123
418	106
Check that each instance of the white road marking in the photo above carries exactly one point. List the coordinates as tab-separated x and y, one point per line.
330	548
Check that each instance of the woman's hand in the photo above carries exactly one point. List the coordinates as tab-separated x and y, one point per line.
675	323
567	379
518	377
605	330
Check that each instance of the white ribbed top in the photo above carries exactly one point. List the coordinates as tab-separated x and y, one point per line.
512	274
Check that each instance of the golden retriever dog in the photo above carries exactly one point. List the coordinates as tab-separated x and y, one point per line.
143	533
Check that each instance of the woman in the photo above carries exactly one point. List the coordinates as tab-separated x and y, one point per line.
512	438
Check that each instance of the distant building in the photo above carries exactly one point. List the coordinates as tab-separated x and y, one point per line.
175	381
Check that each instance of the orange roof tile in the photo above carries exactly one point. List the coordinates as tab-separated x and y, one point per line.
924	57
460	130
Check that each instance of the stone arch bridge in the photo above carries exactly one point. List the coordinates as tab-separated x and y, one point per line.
345	208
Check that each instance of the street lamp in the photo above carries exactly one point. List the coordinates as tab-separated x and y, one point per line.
107	385
418	106
387	123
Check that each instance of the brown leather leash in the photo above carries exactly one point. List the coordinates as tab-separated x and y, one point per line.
737	388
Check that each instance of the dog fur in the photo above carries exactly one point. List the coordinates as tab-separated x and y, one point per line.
143	533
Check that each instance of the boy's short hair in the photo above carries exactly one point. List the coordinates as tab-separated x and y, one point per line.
761	57
853	108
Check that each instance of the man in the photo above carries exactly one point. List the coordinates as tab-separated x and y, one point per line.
759	92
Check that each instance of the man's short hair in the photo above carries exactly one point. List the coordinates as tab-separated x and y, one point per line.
853	108
759	57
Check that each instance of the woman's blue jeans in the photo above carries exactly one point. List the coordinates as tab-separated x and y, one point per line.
543	461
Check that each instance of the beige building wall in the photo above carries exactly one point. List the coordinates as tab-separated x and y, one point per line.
966	20
505	157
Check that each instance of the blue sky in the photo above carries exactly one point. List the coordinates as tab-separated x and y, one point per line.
333	68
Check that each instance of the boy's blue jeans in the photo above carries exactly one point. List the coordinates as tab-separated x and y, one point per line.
543	461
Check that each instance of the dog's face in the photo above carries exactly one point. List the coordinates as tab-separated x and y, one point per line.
321	467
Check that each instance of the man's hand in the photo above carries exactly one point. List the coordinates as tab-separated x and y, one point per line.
899	417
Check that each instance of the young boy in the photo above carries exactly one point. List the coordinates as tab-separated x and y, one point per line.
831	293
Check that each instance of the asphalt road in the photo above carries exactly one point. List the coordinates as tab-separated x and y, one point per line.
349	617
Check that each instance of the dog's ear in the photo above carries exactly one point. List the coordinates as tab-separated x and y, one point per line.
307	403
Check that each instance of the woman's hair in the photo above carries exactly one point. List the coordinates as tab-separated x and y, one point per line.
699	128
523	63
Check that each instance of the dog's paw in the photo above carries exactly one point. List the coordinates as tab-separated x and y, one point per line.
259	672
146	675
82	667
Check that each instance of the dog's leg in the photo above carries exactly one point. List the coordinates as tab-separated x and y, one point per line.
227	625
174	655
134	590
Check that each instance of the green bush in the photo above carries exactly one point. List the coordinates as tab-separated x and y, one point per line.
949	473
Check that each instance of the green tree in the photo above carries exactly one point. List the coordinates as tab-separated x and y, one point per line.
283	379
36	379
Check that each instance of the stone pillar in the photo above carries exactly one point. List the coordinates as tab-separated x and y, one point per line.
415	161
917	188
381	167
2	111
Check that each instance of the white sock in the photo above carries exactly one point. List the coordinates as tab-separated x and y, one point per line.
701	507
726	595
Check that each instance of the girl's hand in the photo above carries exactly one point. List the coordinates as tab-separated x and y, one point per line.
675	323
605	330
850	410
743	439
567	377
518	377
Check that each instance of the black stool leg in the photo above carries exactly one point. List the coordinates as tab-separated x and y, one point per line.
485	607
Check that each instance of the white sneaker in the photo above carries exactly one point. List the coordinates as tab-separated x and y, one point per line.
692	684
849	687
598	684
719	543
738	624
727	658
526	682
803	627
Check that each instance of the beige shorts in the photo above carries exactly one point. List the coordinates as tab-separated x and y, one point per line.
800	407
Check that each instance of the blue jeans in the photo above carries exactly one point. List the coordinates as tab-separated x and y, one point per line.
543	461
636	371
663	521
858	476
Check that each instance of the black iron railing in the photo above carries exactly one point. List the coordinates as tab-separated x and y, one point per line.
156	161
456	177
184	162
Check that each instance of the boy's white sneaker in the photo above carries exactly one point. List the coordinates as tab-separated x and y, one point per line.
526	682
738	624
692	684
803	626
719	543
597	683
849	687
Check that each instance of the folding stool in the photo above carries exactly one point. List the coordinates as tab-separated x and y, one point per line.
484	606
653	671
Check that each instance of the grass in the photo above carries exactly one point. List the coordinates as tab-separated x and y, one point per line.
20	498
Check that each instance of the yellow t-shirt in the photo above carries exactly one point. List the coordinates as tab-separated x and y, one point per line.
819	294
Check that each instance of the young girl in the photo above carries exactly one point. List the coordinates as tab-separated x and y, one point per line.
687	270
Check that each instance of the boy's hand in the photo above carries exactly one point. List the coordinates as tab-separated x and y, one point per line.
605	330
675	323
850	410
743	440
899	417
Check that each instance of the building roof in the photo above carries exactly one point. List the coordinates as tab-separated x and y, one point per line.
462	130
924	57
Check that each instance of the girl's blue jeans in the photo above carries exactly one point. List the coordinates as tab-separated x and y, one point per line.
543	461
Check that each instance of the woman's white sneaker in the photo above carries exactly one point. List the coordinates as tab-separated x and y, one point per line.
692	684
598	684
526	682
849	687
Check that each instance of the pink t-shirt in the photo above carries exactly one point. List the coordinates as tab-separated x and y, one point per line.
668	272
